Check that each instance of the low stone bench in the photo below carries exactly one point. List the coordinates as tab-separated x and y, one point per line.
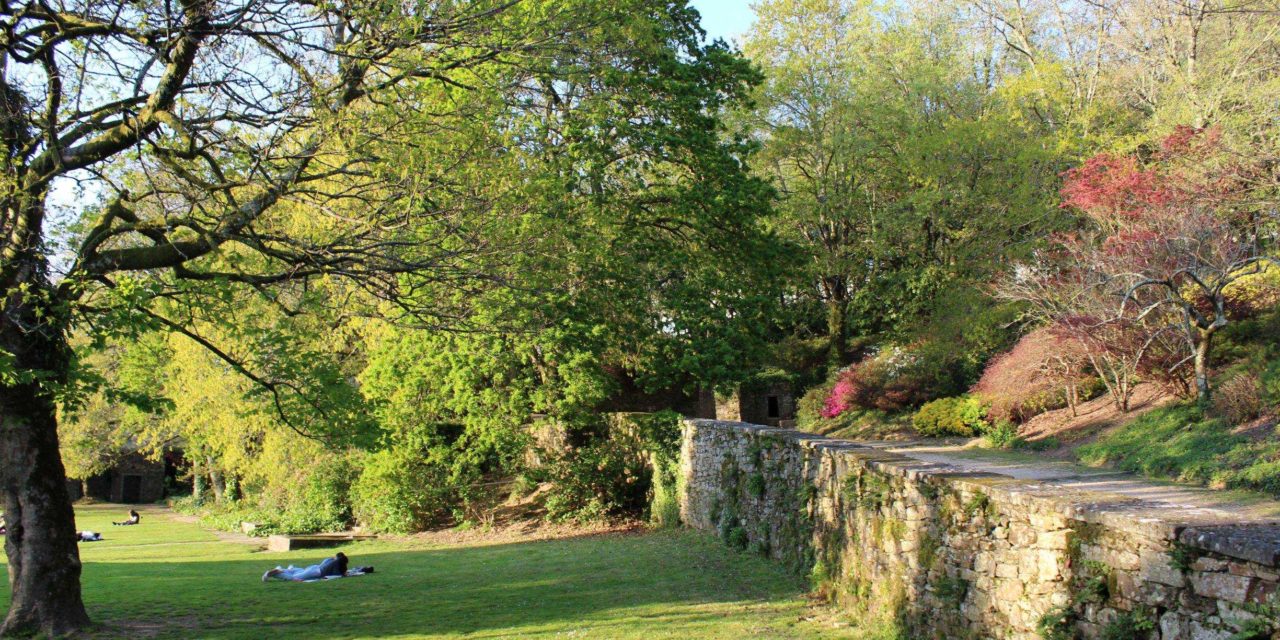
308	541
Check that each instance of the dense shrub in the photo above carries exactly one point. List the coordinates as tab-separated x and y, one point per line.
960	416
622	468
839	398
1253	295
810	408
401	491
1239	399
602	478
1002	434
1260	329
892	380
298	499
664	505
768	378
322	502
852	422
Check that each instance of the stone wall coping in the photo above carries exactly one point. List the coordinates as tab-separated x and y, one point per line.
1234	535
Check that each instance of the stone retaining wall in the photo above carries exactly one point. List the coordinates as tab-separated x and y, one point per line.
955	554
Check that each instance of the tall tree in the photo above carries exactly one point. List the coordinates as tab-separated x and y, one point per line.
262	146
906	158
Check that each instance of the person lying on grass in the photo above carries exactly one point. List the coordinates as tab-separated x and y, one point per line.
134	518
335	566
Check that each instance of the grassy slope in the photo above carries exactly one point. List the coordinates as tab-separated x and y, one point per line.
173	580
1180	443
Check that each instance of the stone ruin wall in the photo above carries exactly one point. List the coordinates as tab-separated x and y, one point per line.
960	554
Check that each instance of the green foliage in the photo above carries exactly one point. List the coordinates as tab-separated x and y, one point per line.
806	495
1002	435
928	552
736	537
1130	625
399	491
1180	442
1264	621
1057	624
960	416
810	404
661	434
1270	382
979	504
768	378
899	242
756	484
869	490
1095	586
322	502
625	465
664	506
602	478
1181	556
951	589
819	576
1042	444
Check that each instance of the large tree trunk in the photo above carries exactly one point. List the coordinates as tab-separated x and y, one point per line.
41	545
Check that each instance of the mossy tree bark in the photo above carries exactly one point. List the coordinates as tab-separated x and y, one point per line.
41	545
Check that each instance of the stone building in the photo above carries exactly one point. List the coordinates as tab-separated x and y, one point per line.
771	404
133	480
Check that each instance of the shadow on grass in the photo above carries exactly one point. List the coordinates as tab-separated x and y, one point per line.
598	586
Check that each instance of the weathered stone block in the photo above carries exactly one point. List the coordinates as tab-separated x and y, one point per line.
1208	564
1222	586
1199	631
1160	569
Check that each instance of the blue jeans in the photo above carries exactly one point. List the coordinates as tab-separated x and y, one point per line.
299	574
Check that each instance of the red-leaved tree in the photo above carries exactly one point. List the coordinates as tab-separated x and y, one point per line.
1148	279
1044	370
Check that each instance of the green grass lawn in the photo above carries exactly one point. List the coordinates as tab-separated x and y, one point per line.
169	579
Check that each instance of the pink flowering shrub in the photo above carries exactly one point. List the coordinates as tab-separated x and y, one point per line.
838	400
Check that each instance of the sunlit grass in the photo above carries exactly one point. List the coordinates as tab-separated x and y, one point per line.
170	579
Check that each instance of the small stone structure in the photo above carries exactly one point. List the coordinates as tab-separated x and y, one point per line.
771	404
134	479
968	554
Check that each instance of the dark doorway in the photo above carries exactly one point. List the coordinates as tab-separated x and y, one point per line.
131	489
773	407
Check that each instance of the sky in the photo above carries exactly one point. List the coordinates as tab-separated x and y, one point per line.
726	19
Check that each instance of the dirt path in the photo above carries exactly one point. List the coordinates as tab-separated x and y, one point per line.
224	536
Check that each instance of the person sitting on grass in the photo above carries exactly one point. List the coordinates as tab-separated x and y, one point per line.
335	566
134	518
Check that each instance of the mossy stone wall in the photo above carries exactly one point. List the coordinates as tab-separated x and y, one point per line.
954	554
